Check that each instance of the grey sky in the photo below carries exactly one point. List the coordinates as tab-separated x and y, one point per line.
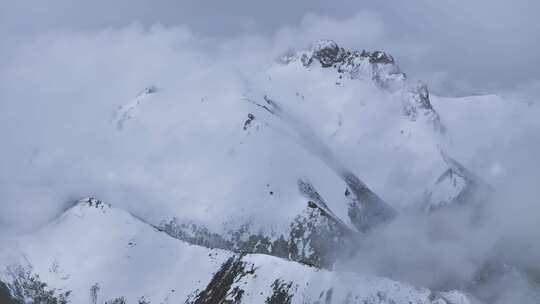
458	47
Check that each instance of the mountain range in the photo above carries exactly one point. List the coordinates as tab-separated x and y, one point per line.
279	183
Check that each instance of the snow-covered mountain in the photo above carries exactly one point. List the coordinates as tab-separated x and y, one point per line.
277	182
95	253
332	111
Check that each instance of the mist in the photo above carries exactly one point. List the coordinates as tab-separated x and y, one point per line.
457	47
63	78
488	250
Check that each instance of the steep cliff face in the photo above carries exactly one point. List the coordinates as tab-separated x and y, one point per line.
312	238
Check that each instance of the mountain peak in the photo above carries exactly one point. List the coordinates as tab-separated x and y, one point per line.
380	65
377	66
328	53
93	203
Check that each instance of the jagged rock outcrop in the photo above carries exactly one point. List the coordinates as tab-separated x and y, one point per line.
378	66
457	186
314	238
26	287
365	209
5	295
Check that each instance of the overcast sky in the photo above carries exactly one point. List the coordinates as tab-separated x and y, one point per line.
458	47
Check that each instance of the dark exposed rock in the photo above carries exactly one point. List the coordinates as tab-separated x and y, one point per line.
316	200
5	295
120	300
314	238
366	209
328	54
219	290
381	68
282	293
379	57
94	291
25	287
247	123
195	234
142	300
150	90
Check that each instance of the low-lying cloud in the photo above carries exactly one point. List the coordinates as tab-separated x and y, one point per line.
59	90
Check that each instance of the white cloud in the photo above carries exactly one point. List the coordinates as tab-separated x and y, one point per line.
59	90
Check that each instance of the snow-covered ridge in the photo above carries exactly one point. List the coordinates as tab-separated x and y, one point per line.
102	256
127	111
93	202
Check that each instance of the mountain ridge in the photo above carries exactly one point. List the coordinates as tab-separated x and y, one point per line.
244	278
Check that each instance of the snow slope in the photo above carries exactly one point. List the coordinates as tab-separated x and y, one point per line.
95	245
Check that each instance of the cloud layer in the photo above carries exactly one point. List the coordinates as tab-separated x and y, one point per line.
457	46
64	73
